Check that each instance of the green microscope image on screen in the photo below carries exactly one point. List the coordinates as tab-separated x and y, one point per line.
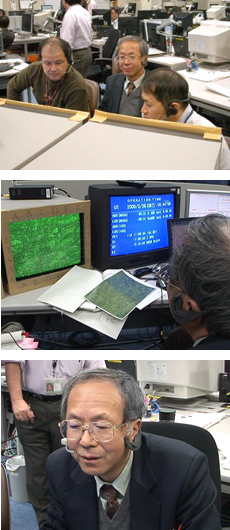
45	245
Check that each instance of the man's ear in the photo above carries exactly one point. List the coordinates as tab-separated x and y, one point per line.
133	440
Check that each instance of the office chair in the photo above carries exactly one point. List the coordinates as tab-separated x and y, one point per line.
93	92
198	438
101	67
5	503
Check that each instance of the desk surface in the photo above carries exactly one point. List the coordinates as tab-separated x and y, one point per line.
138	149
28	134
205	98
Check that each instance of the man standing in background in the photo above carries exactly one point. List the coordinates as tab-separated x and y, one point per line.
36	410
76	30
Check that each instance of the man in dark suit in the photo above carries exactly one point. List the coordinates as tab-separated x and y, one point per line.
199	287
123	93
111	476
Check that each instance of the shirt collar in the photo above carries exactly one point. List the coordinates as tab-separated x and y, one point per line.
185	114
121	482
137	83
198	341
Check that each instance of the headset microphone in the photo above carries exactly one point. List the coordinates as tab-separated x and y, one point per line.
135	445
172	111
181	316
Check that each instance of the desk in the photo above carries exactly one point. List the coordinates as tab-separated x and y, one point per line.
28	134
139	147
206	99
6	76
28	40
99	44
168	61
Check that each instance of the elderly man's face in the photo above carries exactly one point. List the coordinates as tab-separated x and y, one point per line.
98	401
54	62
130	60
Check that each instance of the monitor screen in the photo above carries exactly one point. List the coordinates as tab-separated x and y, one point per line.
35	242
105	13
27	22
176	230
46	7
129	225
203	202
128	25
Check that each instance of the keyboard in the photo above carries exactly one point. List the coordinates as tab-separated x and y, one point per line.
5	66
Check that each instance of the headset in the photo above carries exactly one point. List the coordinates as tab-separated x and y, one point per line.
172	111
181	316
135	445
64	45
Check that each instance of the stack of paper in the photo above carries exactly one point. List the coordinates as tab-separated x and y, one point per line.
101	301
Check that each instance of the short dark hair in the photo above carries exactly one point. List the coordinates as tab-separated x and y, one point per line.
57	42
166	85
4	22
3	12
132	395
200	267
115	9
73	2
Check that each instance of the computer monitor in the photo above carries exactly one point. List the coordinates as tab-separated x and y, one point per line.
105	21
210	41
180	45
180	379
177	228
128	25
129	225
40	243
162	15
186	19
46	7
153	38
27	22
203	202
16	13
132	8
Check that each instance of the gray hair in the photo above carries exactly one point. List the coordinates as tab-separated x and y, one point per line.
134	38
201	268
133	397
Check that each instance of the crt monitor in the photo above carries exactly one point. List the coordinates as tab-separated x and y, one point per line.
129	225
128	25
27	22
180	379
105	21
203	202
41	242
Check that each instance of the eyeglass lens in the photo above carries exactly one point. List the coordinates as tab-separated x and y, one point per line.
73	430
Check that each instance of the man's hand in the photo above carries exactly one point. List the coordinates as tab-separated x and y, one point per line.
22	411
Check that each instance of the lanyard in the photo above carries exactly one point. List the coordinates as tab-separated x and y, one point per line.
54	365
189	115
49	99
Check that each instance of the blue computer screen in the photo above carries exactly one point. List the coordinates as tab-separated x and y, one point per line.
139	223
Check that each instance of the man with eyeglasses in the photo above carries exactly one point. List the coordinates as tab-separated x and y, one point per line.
110	476
123	90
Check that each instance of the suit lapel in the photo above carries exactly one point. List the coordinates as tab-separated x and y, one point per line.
81	502
119	85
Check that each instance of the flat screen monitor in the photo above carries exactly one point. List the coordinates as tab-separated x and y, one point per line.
176	230
180	45
27	22
129	225
46	7
153	38
128	25
203	202
105	21
162	15
186	19
132	8
41	243
180	379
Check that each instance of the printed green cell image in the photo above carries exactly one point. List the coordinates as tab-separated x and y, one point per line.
45	245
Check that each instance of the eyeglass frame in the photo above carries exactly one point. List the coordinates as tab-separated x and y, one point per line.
132	59
87	428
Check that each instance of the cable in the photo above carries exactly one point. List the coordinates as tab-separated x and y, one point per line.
63	191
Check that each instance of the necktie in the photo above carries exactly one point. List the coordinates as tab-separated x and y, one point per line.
131	87
110	494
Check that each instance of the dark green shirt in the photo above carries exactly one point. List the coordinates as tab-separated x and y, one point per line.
71	95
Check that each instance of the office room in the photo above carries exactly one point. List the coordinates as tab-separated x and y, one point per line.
169	443
127	265
130	76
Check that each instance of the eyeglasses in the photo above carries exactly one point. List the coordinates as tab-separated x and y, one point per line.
130	58
101	431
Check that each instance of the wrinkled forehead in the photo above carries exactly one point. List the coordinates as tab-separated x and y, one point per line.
130	47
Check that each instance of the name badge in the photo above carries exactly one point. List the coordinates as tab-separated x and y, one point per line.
53	386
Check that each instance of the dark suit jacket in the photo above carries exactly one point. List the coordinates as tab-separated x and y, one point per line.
212	342
170	485
113	92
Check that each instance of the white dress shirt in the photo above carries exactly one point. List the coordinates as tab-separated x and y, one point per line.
76	27
190	116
